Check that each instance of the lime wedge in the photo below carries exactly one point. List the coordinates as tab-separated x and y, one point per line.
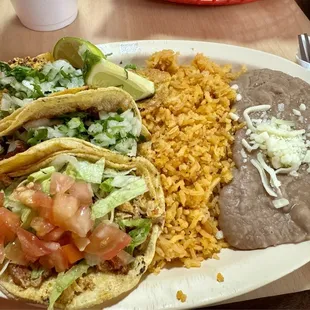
68	48
103	73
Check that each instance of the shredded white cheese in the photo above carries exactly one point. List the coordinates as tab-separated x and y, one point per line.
274	180
284	170
239	97
285	148
234	87
302	107
243	154
257	108
263	177
294	173
248	147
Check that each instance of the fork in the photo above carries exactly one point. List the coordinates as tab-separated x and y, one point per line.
304	46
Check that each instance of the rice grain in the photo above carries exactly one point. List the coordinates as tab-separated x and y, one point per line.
192	134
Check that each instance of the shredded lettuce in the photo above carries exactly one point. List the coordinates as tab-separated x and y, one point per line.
123	180
36	273
90	172
71	171
42	174
26	217
45	185
26	214
111	173
104	206
64	280
106	186
133	223
138	234
61	160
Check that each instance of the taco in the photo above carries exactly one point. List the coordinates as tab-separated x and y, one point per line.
23	80
78	223
107	117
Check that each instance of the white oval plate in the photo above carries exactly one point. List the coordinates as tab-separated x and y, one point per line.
244	271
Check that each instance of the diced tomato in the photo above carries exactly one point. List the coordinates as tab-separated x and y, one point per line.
72	253
81	243
2	255
9	219
46	262
13	251
64	207
60	183
83	192
107	241
56	259
81	223
44	204
9	223
33	247
54	235
65	238
41	226
1	199
35	199
8	235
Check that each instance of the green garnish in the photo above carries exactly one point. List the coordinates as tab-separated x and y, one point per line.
36	273
36	136
64	280
138	234
41	175
129	66
106	186
24	84
104	206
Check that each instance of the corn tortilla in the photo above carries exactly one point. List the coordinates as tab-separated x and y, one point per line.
95	287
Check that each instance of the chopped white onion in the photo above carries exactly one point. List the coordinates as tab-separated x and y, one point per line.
281	107
296	112
234	87
257	108
233	116
239	97
248	147
274	180
219	235
280	203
